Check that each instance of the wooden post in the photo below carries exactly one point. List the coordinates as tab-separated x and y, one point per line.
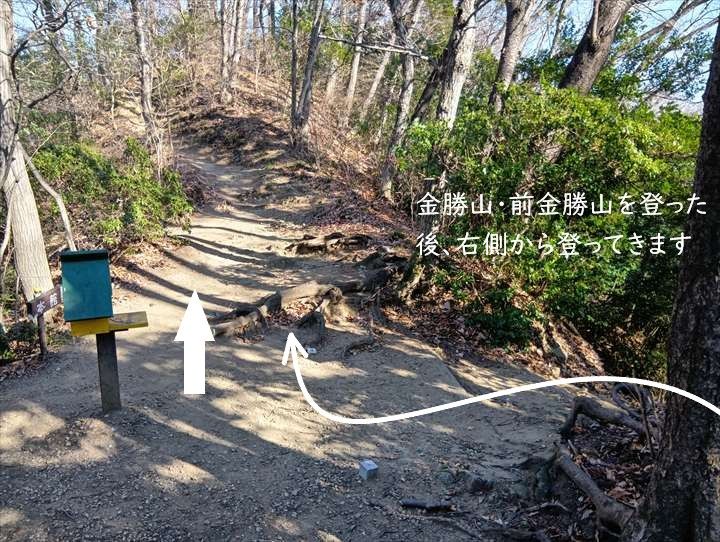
107	365
42	335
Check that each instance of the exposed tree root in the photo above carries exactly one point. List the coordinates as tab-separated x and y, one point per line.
247	315
329	243
645	413
602	412
355	347
382	257
316	317
481	534
411	279
612	515
640	394
372	281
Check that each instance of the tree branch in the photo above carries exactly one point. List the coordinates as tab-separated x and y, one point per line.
385	48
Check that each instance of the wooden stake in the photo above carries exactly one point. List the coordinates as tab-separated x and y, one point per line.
107	365
42	335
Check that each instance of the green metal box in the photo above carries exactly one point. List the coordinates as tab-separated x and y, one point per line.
87	292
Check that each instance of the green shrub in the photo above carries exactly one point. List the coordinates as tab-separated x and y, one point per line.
622	303
114	202
496	313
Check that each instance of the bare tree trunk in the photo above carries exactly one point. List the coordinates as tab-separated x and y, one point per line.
558	27
69	238
261	17
300	120
451	76
240	23
461	41
461	48
684	498
271	16
379	74
233	20
594	48
255	17
518	15
30	258
293	60
403	32
227	28
152	133
334	74
352	82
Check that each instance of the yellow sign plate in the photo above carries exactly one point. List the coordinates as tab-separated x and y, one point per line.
117	322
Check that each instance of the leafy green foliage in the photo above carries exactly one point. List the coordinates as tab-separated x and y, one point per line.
666	65
605	148
135	204
504	322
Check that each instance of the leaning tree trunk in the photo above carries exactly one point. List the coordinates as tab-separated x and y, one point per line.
334	69
146	80
462	47
559	19
300	115
379	74
456	62
683	503
594	48
355	67
30	258
402	33
518	17
451	70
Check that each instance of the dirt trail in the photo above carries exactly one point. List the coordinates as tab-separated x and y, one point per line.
250	460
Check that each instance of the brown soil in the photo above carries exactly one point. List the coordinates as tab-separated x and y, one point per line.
250	460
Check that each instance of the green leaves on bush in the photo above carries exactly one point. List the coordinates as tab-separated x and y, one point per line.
114	202
558	141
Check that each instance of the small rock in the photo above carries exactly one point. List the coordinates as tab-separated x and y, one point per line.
368	469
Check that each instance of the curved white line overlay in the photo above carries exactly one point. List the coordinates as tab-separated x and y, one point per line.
486	396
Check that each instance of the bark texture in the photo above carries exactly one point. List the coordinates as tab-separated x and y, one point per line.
594	48
355	67
377	79
300	116
684	498
403	30
30	258
146	77
461	48
518	15
451	70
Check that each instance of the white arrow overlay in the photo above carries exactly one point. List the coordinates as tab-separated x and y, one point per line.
292	346
194	331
